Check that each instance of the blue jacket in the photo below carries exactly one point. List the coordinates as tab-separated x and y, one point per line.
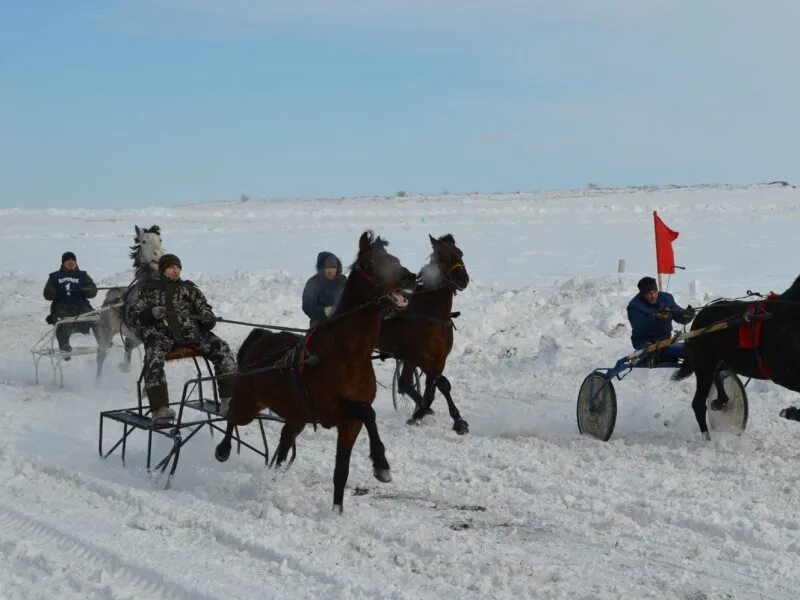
321	292
69	292
647	328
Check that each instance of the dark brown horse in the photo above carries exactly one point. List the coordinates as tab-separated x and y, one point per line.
422	335
777	357
338	387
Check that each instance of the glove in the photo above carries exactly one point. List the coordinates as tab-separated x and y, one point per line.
208	321
689	313
159	312
329	310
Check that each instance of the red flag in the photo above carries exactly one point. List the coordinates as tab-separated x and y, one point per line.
665	257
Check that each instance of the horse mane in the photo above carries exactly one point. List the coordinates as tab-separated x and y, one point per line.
252	338
793	293
448	237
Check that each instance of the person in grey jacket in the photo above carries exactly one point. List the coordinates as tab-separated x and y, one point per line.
324	290
169	312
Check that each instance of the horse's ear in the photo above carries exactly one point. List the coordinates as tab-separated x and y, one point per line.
155	229
138	232
433	240
448	237
365	242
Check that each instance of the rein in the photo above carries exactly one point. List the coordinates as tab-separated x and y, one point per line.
334	318
686	335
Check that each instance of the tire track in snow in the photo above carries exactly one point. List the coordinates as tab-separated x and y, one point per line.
29	544
235	536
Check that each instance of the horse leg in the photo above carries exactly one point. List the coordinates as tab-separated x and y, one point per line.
102	350
130	344
347	434
424	406
705	379
460	426
405	385
721	401
377	452
288	434
223	450
790	383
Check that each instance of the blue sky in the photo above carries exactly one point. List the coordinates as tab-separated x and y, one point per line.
112	103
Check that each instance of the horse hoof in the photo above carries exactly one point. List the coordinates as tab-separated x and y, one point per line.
461	427
222	454
718	404
413	421
337	509
125	367
706	436
792	413
383	475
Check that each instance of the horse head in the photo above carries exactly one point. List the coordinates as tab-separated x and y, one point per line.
446	267
147	248
379	275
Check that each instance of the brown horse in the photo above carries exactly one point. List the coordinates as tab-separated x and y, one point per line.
337	386
422	335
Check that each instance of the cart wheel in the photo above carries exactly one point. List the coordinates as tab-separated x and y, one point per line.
403	402
597	407
732	417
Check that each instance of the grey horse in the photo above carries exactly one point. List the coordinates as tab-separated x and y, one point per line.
145	252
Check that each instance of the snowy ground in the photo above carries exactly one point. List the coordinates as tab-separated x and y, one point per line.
522	507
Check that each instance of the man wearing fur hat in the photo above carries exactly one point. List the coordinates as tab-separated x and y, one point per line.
323	291
169	311
651	313
69	290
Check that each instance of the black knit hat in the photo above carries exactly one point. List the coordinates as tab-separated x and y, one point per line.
68	256
647	284
168	260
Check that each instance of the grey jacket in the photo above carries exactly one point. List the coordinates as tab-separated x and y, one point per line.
182	301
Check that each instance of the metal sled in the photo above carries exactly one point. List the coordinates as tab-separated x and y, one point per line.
195	410
47	346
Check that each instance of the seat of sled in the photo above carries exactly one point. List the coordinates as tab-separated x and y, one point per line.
179	352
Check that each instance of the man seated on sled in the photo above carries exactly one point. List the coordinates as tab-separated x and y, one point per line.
69	290
651	313
323	291
171	312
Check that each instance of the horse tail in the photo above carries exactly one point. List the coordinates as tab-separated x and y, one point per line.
251	339
686	369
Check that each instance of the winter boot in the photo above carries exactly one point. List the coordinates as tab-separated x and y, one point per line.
163	415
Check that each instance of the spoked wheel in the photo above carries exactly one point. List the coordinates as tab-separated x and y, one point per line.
732	415
597	407
402	402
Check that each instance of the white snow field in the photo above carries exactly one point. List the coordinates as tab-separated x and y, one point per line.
521	507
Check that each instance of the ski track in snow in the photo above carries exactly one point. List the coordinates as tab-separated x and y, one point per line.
521	507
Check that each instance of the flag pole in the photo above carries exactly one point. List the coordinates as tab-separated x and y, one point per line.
655	233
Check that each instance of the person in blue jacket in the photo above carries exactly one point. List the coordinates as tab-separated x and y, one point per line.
69	290
323	291
651	313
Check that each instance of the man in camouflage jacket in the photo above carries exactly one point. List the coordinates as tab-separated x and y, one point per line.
167	312
69	290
